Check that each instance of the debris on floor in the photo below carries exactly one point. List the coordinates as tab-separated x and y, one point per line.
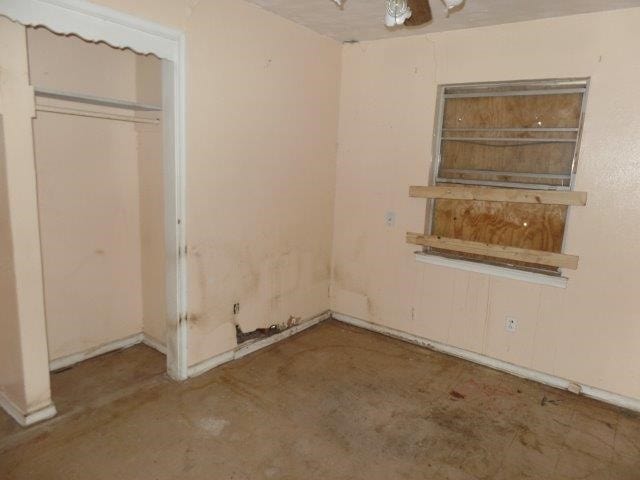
457	395
546	401
575	388
256	334
260	333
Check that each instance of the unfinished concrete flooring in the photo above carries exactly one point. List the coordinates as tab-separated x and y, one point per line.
333	402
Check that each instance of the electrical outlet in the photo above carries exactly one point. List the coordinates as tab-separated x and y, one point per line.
510	324
236	308
390	219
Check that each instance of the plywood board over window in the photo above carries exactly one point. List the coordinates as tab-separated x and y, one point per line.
521	136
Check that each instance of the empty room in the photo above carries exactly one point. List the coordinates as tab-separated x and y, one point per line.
319	239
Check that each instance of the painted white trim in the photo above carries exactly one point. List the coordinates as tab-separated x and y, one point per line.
97	23
27	419
153	343
250	347
120	344
74	358
496	271
523	372
210	363
178	338
245	349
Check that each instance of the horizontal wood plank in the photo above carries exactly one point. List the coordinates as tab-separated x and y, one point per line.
497	251
515	195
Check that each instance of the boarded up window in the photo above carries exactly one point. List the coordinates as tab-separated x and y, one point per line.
522	135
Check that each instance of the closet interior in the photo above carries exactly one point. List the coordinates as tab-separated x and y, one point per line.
99	162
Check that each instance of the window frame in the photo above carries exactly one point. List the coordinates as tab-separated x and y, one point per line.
519	87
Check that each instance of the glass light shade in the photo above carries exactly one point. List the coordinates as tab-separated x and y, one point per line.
452	3
397	12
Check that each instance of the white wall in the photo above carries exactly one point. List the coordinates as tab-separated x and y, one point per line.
589	332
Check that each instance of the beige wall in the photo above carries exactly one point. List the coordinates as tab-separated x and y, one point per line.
151	187
68	63
589	332
262	112
261	143
24	374
261	139
90	195
10	355
171	13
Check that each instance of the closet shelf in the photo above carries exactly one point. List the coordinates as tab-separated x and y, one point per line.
93	100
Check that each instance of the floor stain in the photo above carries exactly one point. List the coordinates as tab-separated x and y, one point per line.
330	402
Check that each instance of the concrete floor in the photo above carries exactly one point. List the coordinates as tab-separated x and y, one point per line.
333	402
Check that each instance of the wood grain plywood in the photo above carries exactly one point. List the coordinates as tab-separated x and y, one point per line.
529	111
531	226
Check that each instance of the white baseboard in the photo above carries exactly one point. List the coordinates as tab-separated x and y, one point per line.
245	349
130	341
153	343
74	358
26	419
523	372
210	363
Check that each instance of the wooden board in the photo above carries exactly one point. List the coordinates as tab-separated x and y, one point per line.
533	114
497	251
530	111
540	197
484	177
535	227
542	158
529	226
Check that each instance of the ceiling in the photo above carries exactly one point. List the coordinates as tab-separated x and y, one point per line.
363	19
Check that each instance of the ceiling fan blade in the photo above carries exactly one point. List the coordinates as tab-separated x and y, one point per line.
420	13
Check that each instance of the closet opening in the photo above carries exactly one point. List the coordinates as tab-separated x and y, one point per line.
100	142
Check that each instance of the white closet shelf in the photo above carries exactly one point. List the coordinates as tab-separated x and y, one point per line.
92	100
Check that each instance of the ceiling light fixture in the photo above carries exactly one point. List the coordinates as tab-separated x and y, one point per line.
397	12
451	4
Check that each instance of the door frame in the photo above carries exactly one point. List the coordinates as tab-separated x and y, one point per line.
97	23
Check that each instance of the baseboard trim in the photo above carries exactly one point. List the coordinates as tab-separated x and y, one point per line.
245	349
153	343
26	419
69	360
618	400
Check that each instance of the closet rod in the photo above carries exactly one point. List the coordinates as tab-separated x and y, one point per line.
92	114
93	100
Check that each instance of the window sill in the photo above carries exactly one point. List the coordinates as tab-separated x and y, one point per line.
504	272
